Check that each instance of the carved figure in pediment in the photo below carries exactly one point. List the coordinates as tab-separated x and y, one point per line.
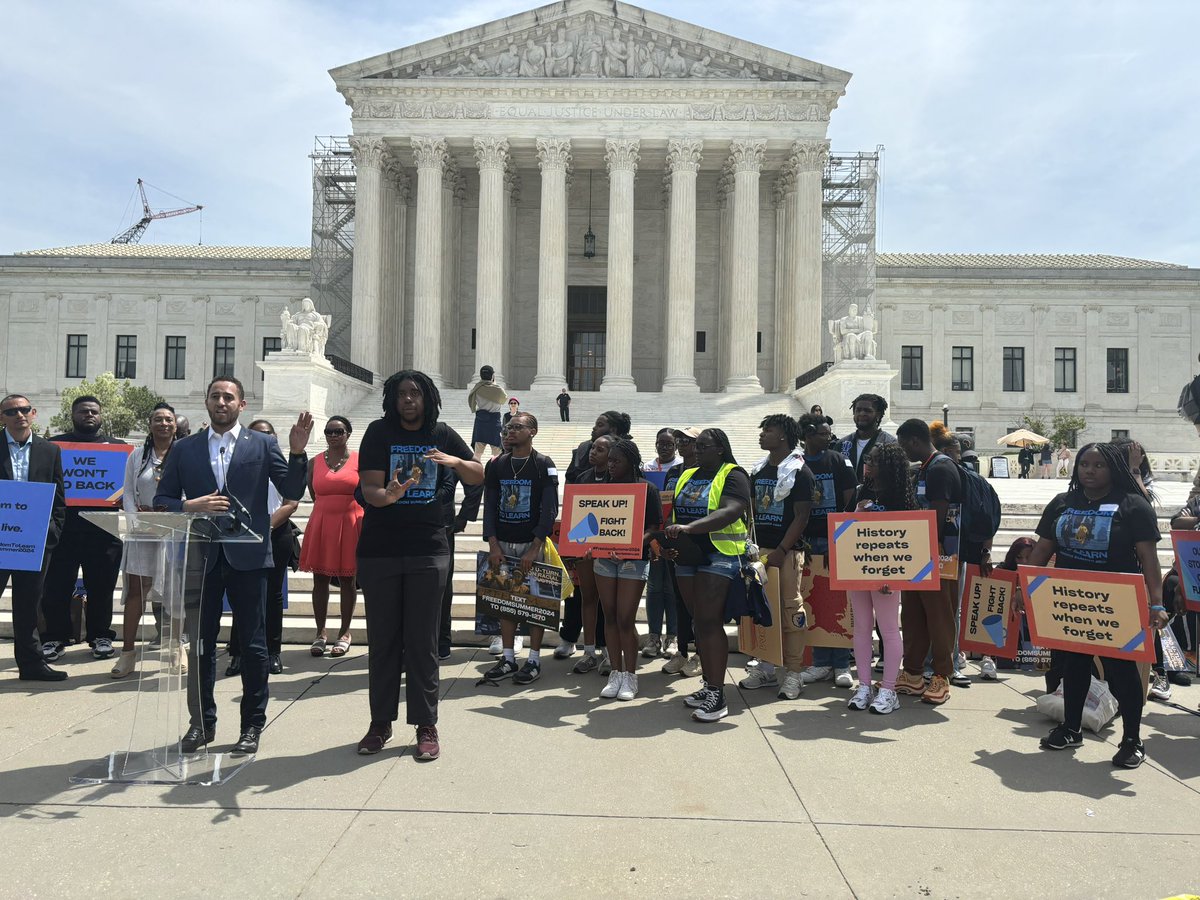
475	65
589	54
701	69
562	56
508	63
648	62
674	66
745	72
616	56
533	60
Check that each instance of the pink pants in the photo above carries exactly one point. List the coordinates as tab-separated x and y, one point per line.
870	607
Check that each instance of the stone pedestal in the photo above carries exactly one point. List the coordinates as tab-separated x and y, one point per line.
295	382
836	389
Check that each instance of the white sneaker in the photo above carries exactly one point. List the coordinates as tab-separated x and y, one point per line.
862	697
653	646
565	650
629	686
518	644
605	664
1160	688
756	678
670	645
885	702
496	647
842	679
675	664
615	682
960	661
987	669
102	648
816	673
692	666
793	683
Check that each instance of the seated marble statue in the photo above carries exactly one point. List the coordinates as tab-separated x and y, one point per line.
306	331
853	335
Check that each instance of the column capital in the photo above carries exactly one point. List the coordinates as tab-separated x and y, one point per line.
809	156
553	153
1093	308
450	174
491	152
785	183
429	152
1040	308
368	152
746	156
724	185
683	154
395	176
1144	309
622	155
512	182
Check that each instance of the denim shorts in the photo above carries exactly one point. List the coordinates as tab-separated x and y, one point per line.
718	564
622	569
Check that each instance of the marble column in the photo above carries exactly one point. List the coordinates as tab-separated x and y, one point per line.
936	374
368	251
808	163
429	154
622	159
989	381
1143	382
453	197
746	158
786	367
554	155
725	307
1093	383
1041	383
491	154
683	162
395	219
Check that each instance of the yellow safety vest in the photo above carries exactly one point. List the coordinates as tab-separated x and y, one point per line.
730	540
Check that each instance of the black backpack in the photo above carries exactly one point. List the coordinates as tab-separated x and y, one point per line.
980	507
1189	401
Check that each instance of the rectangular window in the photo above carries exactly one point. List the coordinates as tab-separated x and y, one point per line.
77	356
126	366
222	357
1014	368
701	341
472	338
1118	370
912	376
270	345
1064	370
175	358
962	369
759	344
1120	434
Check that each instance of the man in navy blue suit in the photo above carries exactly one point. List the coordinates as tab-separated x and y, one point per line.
224	470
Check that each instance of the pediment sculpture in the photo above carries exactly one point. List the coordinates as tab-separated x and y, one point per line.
305	332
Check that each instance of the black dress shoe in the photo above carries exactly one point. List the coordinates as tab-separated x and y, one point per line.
276	666
235	666
248	742
43	673
197	737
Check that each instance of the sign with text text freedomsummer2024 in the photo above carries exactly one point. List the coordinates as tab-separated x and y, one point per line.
1101	613
870	550
94	474
25	508
1187	556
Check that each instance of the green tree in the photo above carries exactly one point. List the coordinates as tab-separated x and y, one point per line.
1065	430
125	406
1036	424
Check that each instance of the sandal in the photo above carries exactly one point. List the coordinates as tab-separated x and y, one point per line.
318	647
340	646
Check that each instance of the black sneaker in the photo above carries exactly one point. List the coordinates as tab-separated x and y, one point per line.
1062	738
444	652
1179	678
714	708
1130	754
530	672
502	669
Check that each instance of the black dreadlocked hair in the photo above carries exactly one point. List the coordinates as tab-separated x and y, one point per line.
785	423
876	401
429	391
619	423
892	484
1117	461
721	439
809	423
149	444
628	449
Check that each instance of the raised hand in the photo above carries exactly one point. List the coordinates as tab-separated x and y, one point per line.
300	433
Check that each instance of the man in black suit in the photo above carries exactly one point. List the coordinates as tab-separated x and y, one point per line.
29	458
224	470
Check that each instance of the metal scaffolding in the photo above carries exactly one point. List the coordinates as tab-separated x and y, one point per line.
848	231
333	236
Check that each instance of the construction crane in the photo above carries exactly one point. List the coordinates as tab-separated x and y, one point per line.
133	234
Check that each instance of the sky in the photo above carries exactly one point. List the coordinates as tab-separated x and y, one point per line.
1021	126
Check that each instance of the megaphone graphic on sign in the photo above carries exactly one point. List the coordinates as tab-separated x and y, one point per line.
994	626
587	527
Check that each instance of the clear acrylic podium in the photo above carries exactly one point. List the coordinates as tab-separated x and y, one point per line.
174	546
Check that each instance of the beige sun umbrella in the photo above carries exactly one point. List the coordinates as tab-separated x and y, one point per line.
1022	437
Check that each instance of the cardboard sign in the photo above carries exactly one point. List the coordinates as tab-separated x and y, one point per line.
1102	613
94	474
25	508
757	641
503	594
827	610
1187	555
989	623
604	518
870	550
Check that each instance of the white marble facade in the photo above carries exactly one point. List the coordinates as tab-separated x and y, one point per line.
475	153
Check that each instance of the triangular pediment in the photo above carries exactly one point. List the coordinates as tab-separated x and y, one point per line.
590	39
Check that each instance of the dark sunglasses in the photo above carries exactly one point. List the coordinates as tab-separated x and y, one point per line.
507	428
18	411
334	432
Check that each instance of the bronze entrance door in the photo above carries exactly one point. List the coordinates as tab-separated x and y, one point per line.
587	308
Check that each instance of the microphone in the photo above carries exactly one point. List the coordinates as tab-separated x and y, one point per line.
224	471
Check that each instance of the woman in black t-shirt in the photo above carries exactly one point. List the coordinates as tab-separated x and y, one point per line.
619	582
1102	524
589	600
407	462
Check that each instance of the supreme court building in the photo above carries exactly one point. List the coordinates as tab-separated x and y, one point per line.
485	158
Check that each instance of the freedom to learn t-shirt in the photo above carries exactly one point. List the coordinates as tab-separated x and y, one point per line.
773	517
832	477
517	489
691	503
1098	535
939	479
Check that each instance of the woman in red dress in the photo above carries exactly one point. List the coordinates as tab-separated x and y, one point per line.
331	537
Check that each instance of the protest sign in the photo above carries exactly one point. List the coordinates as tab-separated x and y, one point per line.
1102	613
1187	555
25	508
989	623
505	592
757	641
94	474
604	518
870	550
827	610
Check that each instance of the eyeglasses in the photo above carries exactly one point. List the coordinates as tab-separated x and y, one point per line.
18	411
513	427
334	432
685	440
700	447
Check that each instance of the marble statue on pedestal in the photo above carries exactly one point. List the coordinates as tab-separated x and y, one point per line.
306	331
853	335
